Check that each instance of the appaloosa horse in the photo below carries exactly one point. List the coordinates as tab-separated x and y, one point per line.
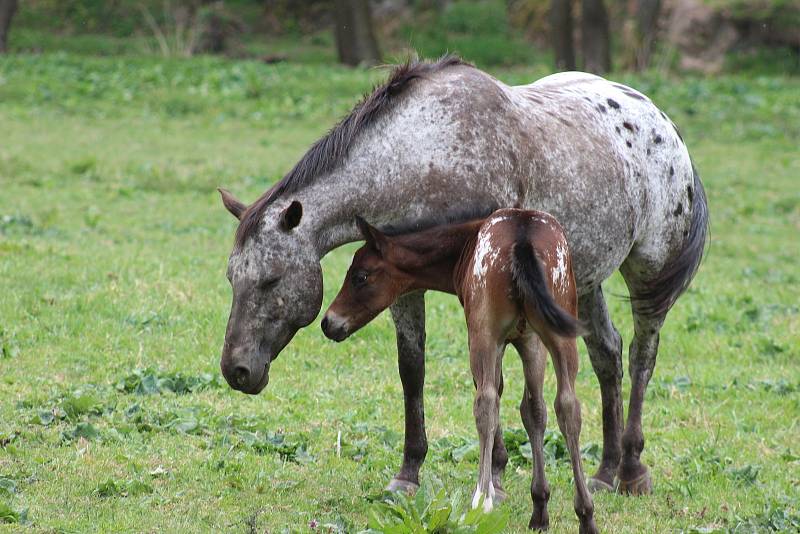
512	272
444	137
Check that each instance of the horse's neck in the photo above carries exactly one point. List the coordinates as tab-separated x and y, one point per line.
331	207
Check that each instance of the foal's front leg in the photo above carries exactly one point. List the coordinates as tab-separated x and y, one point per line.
484	356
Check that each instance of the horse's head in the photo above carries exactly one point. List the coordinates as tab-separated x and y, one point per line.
277	289
372	284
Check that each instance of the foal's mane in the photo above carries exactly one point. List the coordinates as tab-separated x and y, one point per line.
329	151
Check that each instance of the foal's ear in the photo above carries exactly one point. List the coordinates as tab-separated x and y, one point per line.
234	206
290	217
374	238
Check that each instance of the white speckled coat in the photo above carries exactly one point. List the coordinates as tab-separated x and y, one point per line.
599	156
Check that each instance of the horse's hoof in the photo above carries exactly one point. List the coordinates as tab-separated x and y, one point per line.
499	495
596	485
539	521
398	485
588	528
641	485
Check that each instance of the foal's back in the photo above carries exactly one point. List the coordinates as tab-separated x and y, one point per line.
517	269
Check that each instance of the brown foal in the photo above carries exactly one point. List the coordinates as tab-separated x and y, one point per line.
512	273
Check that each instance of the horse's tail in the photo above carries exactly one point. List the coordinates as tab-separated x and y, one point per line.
530	282
672	281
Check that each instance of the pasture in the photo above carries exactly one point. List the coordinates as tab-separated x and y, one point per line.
113	303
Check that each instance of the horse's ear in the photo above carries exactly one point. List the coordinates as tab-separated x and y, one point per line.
290	217
374	238
231	203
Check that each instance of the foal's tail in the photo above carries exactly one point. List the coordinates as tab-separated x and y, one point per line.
529	278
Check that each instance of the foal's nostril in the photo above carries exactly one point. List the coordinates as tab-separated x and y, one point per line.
324	324
241	375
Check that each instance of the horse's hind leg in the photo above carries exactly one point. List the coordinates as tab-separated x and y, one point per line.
408	314
634	477
605	352
534	416
568	411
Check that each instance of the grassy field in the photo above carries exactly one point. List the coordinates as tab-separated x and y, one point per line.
113	302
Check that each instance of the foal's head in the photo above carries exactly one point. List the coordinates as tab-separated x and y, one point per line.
373	282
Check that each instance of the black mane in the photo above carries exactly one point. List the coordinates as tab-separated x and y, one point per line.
329	151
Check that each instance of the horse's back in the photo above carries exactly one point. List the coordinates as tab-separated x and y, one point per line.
613	168
598	155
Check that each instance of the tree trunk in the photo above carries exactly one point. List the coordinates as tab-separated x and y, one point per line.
561	34
7	10
595	37
647	12
355	40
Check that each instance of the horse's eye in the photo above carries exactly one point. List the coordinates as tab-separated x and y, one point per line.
268	283
360	278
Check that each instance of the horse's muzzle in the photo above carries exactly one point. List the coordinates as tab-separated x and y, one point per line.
243	377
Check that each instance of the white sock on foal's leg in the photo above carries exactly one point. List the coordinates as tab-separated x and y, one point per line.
488	501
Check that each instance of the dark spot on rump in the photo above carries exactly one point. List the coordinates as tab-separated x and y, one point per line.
671	170
657	139
617	129
628	143
565	121
612	103
690	192
648	151
601	107
627	126
587	98
685	233
678	210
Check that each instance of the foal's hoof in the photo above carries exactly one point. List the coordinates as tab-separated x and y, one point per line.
398	485
641	485
596	485
499	495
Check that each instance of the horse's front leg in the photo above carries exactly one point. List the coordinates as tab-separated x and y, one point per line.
408	314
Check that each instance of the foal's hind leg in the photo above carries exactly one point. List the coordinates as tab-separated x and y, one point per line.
499	453
605	352
485	355
568	411
534	416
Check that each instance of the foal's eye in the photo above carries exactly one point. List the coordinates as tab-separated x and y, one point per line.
360	278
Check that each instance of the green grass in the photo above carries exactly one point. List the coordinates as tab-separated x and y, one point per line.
113	302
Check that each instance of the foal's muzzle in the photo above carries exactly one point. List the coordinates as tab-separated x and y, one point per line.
334	327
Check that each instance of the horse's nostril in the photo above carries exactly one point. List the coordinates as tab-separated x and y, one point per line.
241	374
324	323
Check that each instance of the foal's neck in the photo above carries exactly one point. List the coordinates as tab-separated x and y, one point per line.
436	254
